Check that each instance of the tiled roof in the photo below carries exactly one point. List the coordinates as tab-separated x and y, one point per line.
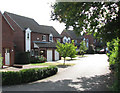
45	44
25	22
73	35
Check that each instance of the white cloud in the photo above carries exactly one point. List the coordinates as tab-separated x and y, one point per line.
39	10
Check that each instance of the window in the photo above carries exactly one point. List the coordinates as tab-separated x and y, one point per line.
36	53
51	38
32	52
69	40
75	41
64	39
27	35
44	38
59	40
87	45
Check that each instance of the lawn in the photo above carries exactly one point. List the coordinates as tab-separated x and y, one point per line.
52	64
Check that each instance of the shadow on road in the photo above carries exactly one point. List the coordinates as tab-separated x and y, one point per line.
96	83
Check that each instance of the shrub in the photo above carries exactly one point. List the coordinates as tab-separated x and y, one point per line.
83	48
22	58
42	59
27	75
114	61
39	59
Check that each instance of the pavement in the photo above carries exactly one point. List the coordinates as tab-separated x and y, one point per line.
90	73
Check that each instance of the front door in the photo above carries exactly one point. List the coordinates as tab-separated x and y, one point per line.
7	56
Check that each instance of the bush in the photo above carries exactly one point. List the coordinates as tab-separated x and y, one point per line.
27	75
114	62
22	58
39	59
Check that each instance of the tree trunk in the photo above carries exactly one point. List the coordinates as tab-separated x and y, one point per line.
64	62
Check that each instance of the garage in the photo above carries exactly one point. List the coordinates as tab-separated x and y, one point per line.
56	55
49	55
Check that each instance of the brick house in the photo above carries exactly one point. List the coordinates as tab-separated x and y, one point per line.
31	37
7	44
68	35
90	41
0	33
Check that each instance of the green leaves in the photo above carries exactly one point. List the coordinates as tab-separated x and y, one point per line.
103	17
67	49
83	47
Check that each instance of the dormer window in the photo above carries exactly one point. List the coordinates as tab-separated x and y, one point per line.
64	39
27	35
44	38
51	38
59	39
69	40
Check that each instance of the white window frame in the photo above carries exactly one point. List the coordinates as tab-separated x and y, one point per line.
50	38
43	37
59	39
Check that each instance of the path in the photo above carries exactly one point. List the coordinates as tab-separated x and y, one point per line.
90	74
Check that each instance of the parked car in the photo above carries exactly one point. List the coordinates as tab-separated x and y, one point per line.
102	51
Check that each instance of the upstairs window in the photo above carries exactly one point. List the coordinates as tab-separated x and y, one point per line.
27	35
69	40
51	38
64	39
44	38
59	39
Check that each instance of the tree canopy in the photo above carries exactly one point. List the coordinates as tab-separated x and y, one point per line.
100	18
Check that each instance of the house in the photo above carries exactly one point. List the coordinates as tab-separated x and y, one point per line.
7	44
0	33
68	35
31	37
90	41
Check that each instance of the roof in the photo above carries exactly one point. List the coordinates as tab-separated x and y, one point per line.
72	34
45	44
25	22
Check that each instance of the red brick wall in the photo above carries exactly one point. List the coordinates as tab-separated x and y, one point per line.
34	37
7	40
18	35
0	33
90	38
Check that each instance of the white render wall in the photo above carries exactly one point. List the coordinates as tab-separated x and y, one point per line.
28	40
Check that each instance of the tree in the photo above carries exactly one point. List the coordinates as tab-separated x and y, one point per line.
72	51
100	18
0	61
83	48
63	49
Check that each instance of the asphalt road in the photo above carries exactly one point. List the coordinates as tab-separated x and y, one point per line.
90	73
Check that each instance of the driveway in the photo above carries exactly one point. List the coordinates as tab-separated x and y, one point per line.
90	73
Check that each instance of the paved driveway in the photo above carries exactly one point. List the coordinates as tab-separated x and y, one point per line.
90	73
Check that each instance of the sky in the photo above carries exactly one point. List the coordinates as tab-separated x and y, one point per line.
39	10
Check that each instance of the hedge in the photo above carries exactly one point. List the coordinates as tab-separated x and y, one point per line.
27	75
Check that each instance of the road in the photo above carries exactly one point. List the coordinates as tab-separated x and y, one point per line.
90	73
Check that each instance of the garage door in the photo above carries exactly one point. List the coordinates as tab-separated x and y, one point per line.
49	55
56	55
